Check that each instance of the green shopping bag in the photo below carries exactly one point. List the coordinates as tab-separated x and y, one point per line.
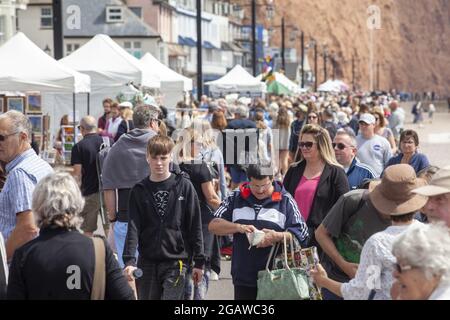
282	284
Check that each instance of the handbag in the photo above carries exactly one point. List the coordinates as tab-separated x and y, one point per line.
212	166
99	282
282	284
304	258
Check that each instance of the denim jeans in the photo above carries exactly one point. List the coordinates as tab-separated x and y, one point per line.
120	235
200	290
328	295
161	281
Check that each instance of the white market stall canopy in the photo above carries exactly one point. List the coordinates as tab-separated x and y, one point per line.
167	76
25	67
333	86
109	66
237	80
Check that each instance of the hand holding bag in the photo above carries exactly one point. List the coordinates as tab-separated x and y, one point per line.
304	258
283	284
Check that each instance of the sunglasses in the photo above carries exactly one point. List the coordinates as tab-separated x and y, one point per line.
4	136
340	146
307	145
401	269
312	117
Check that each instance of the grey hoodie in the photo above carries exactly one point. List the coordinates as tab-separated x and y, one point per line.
126	163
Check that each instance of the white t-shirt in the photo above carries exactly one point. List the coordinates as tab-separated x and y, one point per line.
376	266
374	152
113	125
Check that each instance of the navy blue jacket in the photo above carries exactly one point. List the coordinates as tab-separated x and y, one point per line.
357	173
278	212
419	161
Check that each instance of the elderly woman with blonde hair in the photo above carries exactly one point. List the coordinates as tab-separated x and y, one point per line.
422	270
61	259
211	153
186	150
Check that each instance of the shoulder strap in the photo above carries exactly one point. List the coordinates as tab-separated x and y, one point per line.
354	209
3	269
106	142
99	281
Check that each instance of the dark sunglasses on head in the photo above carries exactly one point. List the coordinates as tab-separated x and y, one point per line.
340	146
308	145
4	136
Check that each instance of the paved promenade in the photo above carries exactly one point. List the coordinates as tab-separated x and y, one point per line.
434	142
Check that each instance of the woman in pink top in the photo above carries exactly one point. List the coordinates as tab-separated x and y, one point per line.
316	180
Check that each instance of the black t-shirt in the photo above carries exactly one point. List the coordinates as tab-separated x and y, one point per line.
160	192
85	153
198	173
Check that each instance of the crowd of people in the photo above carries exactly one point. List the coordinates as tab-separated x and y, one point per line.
175	188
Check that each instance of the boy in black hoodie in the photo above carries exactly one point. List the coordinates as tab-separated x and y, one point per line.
165	223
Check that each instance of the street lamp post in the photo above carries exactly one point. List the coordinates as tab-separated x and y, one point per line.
269	13
353	73
283	58
58	37
325	56
254	37
315	65
378	76
333	64
199	51
302	37
302	52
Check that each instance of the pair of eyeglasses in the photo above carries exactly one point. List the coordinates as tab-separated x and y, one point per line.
339	145
312	117
3	137
401	269
306	145
262	188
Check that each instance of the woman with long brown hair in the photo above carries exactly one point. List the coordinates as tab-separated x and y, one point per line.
382	130
219	122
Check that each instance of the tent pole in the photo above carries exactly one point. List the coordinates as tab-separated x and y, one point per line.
88	103
74	122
